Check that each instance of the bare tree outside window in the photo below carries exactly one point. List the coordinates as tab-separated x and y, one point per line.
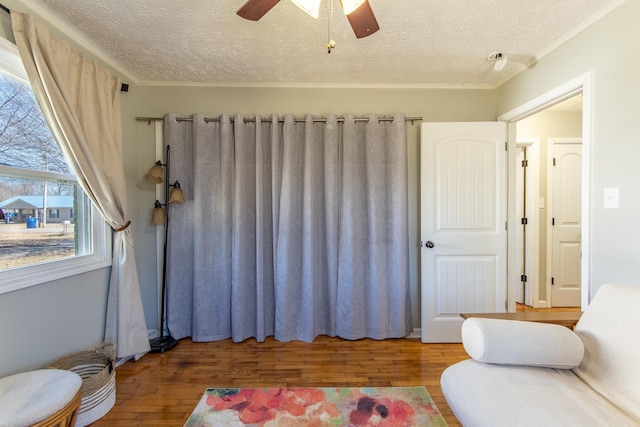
29	233
25	138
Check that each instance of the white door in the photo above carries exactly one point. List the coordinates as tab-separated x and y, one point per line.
463	224
566	223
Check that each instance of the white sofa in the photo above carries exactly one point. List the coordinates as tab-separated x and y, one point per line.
534	374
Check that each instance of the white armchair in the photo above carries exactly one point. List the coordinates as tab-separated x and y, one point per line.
533	374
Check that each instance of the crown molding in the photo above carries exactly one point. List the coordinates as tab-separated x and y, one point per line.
579	28
71	32
92	48
266	85
583	26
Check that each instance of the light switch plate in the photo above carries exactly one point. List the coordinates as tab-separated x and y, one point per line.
611	198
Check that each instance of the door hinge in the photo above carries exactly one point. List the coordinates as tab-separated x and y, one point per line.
524	221
506	226
525	163
553	221
506	305
554	161
552	281
523	278
506	146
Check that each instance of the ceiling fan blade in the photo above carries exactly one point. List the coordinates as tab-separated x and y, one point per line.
256	9
363	21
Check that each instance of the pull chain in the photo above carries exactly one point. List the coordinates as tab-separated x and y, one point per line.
331	43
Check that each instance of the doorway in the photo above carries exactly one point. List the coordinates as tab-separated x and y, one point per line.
579	92
439	314
548	197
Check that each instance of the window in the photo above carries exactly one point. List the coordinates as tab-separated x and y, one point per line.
50	228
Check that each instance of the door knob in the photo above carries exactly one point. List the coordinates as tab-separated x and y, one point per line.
429	244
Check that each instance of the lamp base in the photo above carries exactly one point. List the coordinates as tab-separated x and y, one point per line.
162	344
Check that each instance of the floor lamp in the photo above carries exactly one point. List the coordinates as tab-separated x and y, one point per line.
160	216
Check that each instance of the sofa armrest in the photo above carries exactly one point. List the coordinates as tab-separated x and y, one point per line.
511	342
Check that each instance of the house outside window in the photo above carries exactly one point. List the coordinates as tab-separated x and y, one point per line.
49	229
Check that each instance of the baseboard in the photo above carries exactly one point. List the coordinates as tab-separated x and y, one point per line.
415	334
542	304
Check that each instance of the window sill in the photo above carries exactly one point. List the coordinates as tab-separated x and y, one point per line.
24	277
33	275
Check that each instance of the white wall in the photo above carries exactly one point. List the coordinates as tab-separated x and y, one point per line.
610	49
41	323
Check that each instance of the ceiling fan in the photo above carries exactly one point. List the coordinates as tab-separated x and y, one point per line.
359	13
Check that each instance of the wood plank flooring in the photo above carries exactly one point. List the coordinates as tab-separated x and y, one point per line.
163	389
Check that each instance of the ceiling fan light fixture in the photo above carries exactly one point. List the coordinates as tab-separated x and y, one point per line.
351	5
500	60
312	7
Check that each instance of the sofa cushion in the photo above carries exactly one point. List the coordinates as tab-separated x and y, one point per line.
481	394
513	342
610	331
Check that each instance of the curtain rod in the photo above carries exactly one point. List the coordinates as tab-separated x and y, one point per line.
319	120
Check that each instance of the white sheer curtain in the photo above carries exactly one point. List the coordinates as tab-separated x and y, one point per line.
81	104
291	229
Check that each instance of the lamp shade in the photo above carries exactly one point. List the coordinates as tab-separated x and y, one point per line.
158	215
155	174
351	5
176	195
312	7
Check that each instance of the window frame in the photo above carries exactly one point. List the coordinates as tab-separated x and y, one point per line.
99	235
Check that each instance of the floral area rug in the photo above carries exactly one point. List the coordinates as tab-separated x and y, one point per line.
316	407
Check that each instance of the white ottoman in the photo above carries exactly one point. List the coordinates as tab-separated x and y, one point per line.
45	397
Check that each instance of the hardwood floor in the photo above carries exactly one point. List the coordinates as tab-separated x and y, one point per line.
163	389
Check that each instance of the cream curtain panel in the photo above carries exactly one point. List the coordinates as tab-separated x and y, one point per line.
81	104
290	228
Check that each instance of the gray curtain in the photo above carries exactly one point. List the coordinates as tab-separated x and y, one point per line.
291	229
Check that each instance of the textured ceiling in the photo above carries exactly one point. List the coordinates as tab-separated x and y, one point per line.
420	42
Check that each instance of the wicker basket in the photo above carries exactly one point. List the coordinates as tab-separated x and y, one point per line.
95	367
